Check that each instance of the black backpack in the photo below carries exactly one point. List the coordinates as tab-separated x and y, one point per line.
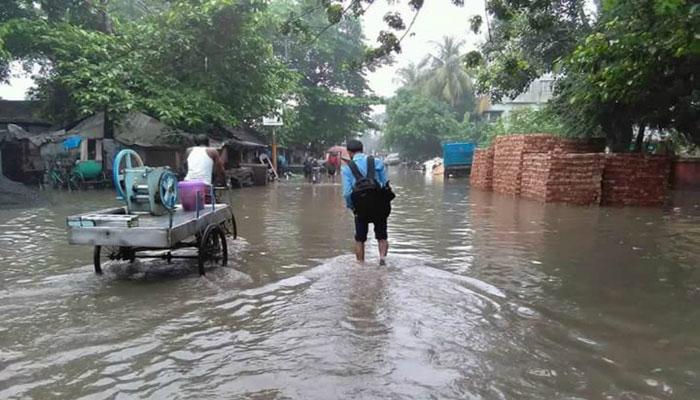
368	197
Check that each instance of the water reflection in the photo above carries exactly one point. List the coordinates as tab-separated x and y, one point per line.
484	296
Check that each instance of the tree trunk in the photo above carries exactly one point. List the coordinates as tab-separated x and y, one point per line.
108	126
639	145
619	133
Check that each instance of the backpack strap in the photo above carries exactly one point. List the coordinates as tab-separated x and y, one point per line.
355	171
370	168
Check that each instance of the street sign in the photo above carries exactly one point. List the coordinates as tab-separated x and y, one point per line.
272	121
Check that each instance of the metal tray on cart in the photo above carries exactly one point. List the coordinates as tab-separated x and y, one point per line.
117	235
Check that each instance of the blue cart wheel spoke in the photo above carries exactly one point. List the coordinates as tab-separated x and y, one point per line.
129	158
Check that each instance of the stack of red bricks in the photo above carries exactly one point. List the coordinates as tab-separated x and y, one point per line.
552	169
536	168
635	179
507	164
481	176
508	158
562	177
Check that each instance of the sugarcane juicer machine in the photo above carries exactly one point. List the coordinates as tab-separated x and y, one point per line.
145	190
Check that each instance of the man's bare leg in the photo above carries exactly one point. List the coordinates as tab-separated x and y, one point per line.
360	251
383	250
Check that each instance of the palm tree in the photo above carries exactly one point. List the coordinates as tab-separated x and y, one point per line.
409	76
447	79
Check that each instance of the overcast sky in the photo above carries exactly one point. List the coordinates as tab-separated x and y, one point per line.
438	18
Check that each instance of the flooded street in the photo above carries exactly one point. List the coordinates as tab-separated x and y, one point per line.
484	296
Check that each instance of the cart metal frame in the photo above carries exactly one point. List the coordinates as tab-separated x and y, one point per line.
204	229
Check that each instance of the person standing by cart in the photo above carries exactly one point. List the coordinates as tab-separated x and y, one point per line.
203	162
367	193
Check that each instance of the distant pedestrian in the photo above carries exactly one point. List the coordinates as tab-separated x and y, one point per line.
367	193
315	171
332	165
307	168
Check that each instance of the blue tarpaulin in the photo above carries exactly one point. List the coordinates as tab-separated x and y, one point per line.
72	142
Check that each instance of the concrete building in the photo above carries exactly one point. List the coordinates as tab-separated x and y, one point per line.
536	96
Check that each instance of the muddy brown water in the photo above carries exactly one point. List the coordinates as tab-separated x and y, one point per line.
483	296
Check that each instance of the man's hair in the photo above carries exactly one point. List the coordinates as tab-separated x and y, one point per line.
201	140
354	146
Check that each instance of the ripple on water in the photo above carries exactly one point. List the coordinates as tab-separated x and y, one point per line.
483	297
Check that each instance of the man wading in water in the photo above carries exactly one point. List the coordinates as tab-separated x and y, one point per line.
367	193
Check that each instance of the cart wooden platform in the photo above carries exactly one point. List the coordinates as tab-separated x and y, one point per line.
117	235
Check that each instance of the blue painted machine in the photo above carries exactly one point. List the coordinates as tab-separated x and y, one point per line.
146	190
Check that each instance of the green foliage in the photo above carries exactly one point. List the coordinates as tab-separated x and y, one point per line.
193	65
524	120
417	124
434	105
447	79
636	65
331	100
527	40
639	67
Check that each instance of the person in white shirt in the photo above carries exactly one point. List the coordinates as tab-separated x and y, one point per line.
203	162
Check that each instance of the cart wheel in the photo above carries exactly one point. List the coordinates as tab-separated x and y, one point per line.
230	227
102	254
125	159
212	247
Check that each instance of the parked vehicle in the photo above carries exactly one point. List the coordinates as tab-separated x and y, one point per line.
457	158
392	159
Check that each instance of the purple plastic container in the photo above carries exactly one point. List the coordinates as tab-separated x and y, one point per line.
189	191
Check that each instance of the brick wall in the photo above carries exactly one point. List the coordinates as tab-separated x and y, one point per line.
635	180
481	176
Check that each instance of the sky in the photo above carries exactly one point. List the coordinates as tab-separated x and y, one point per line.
437	18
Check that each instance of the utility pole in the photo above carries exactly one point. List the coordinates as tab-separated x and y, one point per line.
274	148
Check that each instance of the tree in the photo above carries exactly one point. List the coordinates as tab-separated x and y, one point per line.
410	76
448	79
417	124
194	65
331	101
525	41
639	67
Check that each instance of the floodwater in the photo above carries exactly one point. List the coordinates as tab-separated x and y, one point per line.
484	296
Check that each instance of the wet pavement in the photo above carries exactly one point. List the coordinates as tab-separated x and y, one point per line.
484	296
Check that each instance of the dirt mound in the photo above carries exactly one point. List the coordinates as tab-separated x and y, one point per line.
12	193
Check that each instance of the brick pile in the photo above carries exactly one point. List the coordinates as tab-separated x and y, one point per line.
563	177
551	169
594	145
509	153
635	180
507	164
482	169
536	168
